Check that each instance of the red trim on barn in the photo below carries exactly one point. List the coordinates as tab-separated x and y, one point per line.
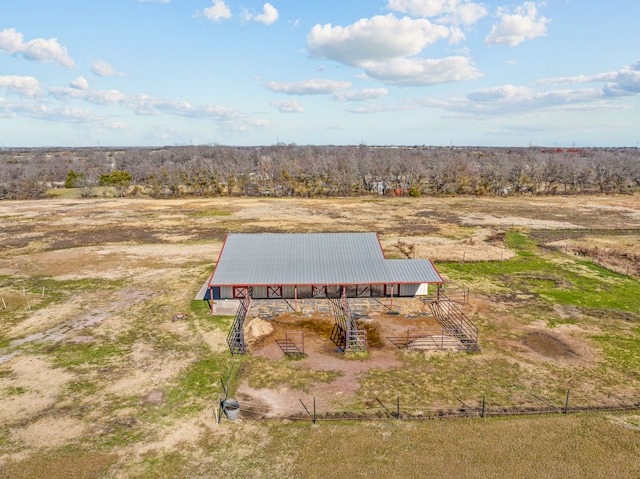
217	261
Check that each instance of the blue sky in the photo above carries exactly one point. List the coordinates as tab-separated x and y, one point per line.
401	72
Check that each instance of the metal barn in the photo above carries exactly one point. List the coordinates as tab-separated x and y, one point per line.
335	266
322	265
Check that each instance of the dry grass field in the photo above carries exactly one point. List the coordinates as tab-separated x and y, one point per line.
96	380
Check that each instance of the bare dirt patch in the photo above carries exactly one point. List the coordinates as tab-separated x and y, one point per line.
321	354
51	432
29	386
548	345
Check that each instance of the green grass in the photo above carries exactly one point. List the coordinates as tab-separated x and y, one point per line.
209	213
265	373
42	291
521	448
70	355
15	391
566	282
199	385
172	465
622	352
62	464
439	379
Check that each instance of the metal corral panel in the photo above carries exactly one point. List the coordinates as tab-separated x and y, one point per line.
314	259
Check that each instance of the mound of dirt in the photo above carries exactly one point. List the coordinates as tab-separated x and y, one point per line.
256	329
547	345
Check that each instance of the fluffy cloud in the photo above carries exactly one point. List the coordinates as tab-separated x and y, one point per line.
288	106
40	50
513	29
453	11
268	16
79	83
511	99
22	85
424	72
338	90
624	82
385	47
145	105
315	86
104	69
365	94
98	97
218	11
378	39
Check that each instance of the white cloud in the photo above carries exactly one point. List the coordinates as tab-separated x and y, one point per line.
288	106
424	72
79	83
268	16
102	97
63	93
378	39
145	105
218	11
12	109
40	50
513	29
315	86
24	86
364	94
453	11
104	69
624	82
510	98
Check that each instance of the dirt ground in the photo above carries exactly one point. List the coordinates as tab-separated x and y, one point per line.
75	274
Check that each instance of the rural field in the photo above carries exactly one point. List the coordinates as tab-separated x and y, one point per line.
97	380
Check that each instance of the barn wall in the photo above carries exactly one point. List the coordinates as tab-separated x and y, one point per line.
409	289
259	292
423	290
304	292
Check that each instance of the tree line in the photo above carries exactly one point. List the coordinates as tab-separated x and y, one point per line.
310	171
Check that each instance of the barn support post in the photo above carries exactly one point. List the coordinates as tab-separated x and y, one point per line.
211	302
295	298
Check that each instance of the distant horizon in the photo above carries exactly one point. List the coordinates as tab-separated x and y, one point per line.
388	72
310	145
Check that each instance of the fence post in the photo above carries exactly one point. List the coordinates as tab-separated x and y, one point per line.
398	409
483	403
566	404
314	409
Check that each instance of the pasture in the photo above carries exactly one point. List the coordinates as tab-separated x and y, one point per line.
96	380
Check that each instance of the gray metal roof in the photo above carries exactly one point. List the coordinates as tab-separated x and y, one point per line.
318	258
